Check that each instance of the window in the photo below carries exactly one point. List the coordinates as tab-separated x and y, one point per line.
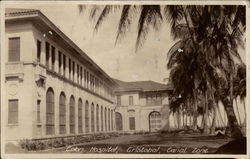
97	118
87	116
13	111
85	78
69	68
131	100
92	118
101	118
38	51
59	61
131	115
149	100
132	123
81	76
64	65
72	114
97	85
62	114
109	119
77	73
47	54
118	120
14	49
154	121
53	57
38	117
73	69
80	116
90	81
154	99
50	112
119	100
159	99
105	120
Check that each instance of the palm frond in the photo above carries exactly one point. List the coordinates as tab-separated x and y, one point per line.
125	21
150	16
105	12
174	15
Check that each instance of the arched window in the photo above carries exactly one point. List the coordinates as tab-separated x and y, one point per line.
62	113
72	114
102	119
87	116
131	117
50	112
154	121
92	118
80	115
118	121
105	120
108	119
97	118
112	120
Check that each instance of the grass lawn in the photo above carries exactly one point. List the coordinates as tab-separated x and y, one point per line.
149	143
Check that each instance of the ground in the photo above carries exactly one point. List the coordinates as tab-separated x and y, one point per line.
149	143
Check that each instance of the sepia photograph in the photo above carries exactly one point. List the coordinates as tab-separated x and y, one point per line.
115	78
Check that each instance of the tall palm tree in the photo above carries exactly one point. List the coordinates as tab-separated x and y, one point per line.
209	36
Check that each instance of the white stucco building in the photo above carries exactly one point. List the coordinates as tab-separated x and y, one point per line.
142	106
52	87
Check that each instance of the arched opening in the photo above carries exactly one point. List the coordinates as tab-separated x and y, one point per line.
62	113
92	118
80	115
97	118
87	116
112	126
72	114
108	119
154	121
118	121
50	112
105	118
102	119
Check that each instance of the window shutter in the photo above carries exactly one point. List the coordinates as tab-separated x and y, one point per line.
13	112
14	49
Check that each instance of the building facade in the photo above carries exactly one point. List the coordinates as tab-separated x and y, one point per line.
52	87
142	106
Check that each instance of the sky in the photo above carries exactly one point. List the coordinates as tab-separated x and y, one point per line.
120	61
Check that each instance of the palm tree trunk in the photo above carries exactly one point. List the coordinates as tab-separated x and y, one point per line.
205	127
220	115
212	130
232	121
195	114
178	118
237	108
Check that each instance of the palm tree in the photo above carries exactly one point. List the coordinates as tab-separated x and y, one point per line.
209	36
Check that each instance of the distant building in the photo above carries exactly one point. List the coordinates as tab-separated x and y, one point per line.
142	106
52	87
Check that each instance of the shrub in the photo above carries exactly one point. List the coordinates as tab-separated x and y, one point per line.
41	144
